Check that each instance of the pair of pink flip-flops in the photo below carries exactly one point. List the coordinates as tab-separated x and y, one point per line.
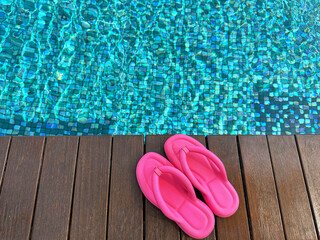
168	186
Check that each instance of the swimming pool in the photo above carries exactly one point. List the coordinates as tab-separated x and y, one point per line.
158	67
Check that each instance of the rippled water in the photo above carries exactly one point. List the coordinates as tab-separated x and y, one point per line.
153	67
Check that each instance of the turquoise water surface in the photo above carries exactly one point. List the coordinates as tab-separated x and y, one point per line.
156	67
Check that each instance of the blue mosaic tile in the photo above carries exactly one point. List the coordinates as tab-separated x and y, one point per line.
159	67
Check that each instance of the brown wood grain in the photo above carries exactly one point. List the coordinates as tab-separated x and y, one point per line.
309	147
294	181
293	196
19	187
235	226
261	190
53	207
212	236
126	202
90	201
157	225
4	149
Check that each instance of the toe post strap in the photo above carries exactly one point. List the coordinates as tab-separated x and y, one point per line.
159	172
213	160
185	149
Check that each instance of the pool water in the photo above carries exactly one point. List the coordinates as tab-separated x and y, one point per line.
159	67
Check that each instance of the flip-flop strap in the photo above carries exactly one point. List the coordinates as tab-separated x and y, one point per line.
157	193
212	159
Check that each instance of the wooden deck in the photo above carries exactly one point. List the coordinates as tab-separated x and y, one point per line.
86	188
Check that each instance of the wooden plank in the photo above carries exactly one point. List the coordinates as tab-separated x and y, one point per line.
19	187
261	190
293	196
236	226
157	226
212	236
126	202
4	149
52	212
310	159
89	214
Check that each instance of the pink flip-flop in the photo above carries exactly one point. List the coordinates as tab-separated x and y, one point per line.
170	190
205	171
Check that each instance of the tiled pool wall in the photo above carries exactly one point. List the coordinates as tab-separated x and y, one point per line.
158	67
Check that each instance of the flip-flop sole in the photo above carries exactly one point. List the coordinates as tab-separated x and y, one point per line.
196	218
218	193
